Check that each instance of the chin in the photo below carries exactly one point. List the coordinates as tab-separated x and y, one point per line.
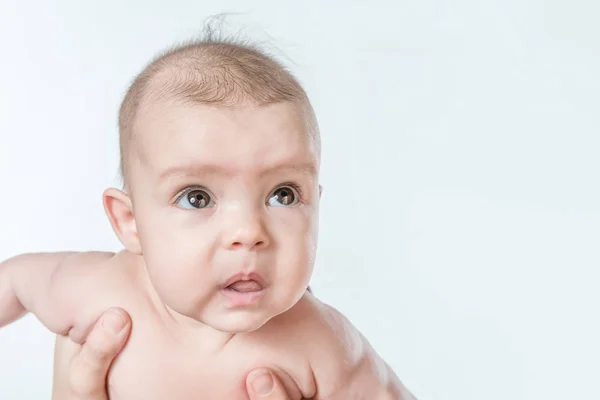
241	321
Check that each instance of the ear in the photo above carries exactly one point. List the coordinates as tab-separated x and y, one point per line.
320	191
119	210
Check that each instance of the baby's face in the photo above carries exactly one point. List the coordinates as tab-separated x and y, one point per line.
226	202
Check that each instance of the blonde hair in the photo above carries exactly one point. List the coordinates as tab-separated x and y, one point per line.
212	70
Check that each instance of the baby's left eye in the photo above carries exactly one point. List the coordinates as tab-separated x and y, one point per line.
284	196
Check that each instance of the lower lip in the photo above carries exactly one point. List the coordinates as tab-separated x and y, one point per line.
241	299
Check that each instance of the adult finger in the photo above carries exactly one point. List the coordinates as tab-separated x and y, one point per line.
89	368
262	384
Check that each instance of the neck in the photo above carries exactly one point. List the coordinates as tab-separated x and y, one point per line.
187	331
191	332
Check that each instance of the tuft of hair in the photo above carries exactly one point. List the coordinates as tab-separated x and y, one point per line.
214	70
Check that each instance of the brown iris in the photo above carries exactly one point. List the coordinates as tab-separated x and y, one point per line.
198	198
285	196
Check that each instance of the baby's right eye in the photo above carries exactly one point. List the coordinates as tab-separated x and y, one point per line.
195	198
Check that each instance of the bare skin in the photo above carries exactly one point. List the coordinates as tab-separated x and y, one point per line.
220	233
303	346
82	374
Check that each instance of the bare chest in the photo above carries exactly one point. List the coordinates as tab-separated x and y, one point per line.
157	363
154	365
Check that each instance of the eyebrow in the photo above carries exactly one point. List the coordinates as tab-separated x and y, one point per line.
210	169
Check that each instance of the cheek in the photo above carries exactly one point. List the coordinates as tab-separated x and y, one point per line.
176	253
174	234
310	229
296	238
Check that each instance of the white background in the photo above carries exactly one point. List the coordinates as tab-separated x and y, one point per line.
461	211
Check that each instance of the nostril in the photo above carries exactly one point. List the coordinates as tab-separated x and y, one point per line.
240	244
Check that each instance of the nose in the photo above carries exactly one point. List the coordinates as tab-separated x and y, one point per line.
246	230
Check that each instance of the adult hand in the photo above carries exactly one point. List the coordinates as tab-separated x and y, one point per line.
89	368
263	384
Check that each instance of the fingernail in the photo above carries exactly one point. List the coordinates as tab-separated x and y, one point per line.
114	321
262	382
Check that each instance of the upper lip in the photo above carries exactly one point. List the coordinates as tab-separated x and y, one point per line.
241	276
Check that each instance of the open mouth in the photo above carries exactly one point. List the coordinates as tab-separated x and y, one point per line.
243	290
244	286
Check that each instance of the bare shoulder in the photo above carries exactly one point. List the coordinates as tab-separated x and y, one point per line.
320	340
99	280
90	262
90	283
343	363
101	269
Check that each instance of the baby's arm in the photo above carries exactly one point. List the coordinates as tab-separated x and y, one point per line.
48	286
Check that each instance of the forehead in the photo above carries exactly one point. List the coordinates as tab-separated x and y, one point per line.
247	138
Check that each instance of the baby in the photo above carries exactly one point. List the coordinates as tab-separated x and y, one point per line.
220	155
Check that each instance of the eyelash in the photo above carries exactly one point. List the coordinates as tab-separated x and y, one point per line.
188	189
293	185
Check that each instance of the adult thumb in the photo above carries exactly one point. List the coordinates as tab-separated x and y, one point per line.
262	384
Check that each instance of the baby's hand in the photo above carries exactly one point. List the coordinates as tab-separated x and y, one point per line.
89	368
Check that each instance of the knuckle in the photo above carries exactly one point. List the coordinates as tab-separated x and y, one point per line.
98	350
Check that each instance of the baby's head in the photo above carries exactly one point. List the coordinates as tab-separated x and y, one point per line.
220	155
